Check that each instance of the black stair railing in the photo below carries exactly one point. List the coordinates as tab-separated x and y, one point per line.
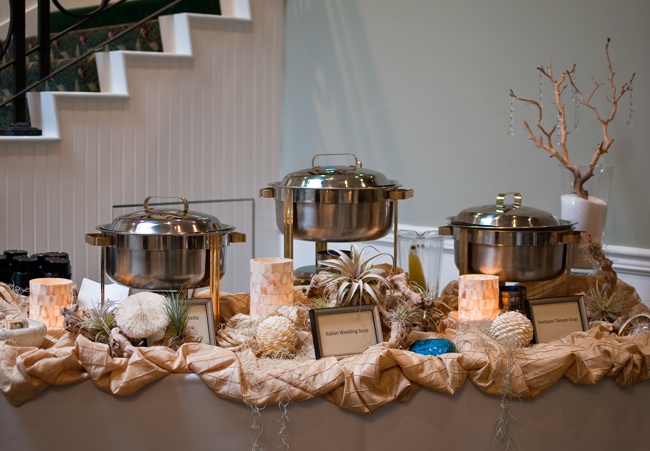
16	40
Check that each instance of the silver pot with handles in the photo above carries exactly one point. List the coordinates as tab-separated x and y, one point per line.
511	241
164	249
337	203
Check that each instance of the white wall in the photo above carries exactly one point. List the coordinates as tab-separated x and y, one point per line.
419	90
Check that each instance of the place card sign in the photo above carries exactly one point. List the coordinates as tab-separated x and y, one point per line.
555	318
344	331
201	319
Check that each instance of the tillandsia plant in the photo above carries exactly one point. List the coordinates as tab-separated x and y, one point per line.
544	140
602	306
606	301
402	317
98	321
355	280
177	312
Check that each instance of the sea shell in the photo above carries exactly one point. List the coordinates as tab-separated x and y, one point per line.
142	314
276	336
512	329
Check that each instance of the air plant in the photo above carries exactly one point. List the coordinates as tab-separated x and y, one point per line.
602	306
356	280
607	301
319	302
177	313
98	321
402	319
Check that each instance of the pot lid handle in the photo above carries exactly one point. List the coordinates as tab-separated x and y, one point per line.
146	207
502	207
357	163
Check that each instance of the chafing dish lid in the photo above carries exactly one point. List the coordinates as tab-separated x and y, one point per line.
336	177
160	221
507	216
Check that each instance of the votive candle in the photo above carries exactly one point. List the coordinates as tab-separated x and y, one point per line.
46	297
271	284
478	297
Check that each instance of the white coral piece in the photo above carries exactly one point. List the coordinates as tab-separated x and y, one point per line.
277	336
512	329
142	315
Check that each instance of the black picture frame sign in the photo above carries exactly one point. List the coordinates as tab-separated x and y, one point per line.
557	317
344	331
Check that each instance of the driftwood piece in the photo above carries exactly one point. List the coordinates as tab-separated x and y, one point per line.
72	322
120	344
315	288
10	302
594	249
401	284
399	331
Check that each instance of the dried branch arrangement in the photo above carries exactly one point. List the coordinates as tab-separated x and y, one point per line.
544	138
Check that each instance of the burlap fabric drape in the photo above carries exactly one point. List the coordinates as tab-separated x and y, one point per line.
363	383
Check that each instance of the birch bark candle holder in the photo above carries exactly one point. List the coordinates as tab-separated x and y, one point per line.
478	297
271	284
46	297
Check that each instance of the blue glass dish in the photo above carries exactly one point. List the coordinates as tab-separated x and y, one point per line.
433	346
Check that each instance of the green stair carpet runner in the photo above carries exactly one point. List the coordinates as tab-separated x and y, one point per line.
82	76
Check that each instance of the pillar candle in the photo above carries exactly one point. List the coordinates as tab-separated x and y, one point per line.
478	297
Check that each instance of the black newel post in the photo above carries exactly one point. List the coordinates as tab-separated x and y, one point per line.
19	125
20	72
44	38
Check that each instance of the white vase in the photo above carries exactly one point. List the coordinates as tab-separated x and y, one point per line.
589	215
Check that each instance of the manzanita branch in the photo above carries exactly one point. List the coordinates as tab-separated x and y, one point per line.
559	150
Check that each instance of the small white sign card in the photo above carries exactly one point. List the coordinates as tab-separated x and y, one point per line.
345	331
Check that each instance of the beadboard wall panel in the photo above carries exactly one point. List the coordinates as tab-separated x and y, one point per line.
204	126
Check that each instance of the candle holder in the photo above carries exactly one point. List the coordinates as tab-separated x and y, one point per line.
46	297
478	297
271	284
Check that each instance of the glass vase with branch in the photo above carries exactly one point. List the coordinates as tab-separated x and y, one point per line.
589	212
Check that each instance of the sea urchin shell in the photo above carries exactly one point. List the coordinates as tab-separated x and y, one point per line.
142	314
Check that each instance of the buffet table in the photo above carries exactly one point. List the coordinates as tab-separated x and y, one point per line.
180	412
586	391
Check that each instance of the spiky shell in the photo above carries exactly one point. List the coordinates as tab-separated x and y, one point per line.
512	329
142	314
276	336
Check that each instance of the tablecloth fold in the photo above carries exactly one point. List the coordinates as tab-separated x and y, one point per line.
363	383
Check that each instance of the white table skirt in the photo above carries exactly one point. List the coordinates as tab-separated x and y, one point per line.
179	412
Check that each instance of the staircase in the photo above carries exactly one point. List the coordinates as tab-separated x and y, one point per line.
82	76
199	119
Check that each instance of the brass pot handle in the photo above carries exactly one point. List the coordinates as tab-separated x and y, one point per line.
145	204
501	206
357	163
100	239
268	192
